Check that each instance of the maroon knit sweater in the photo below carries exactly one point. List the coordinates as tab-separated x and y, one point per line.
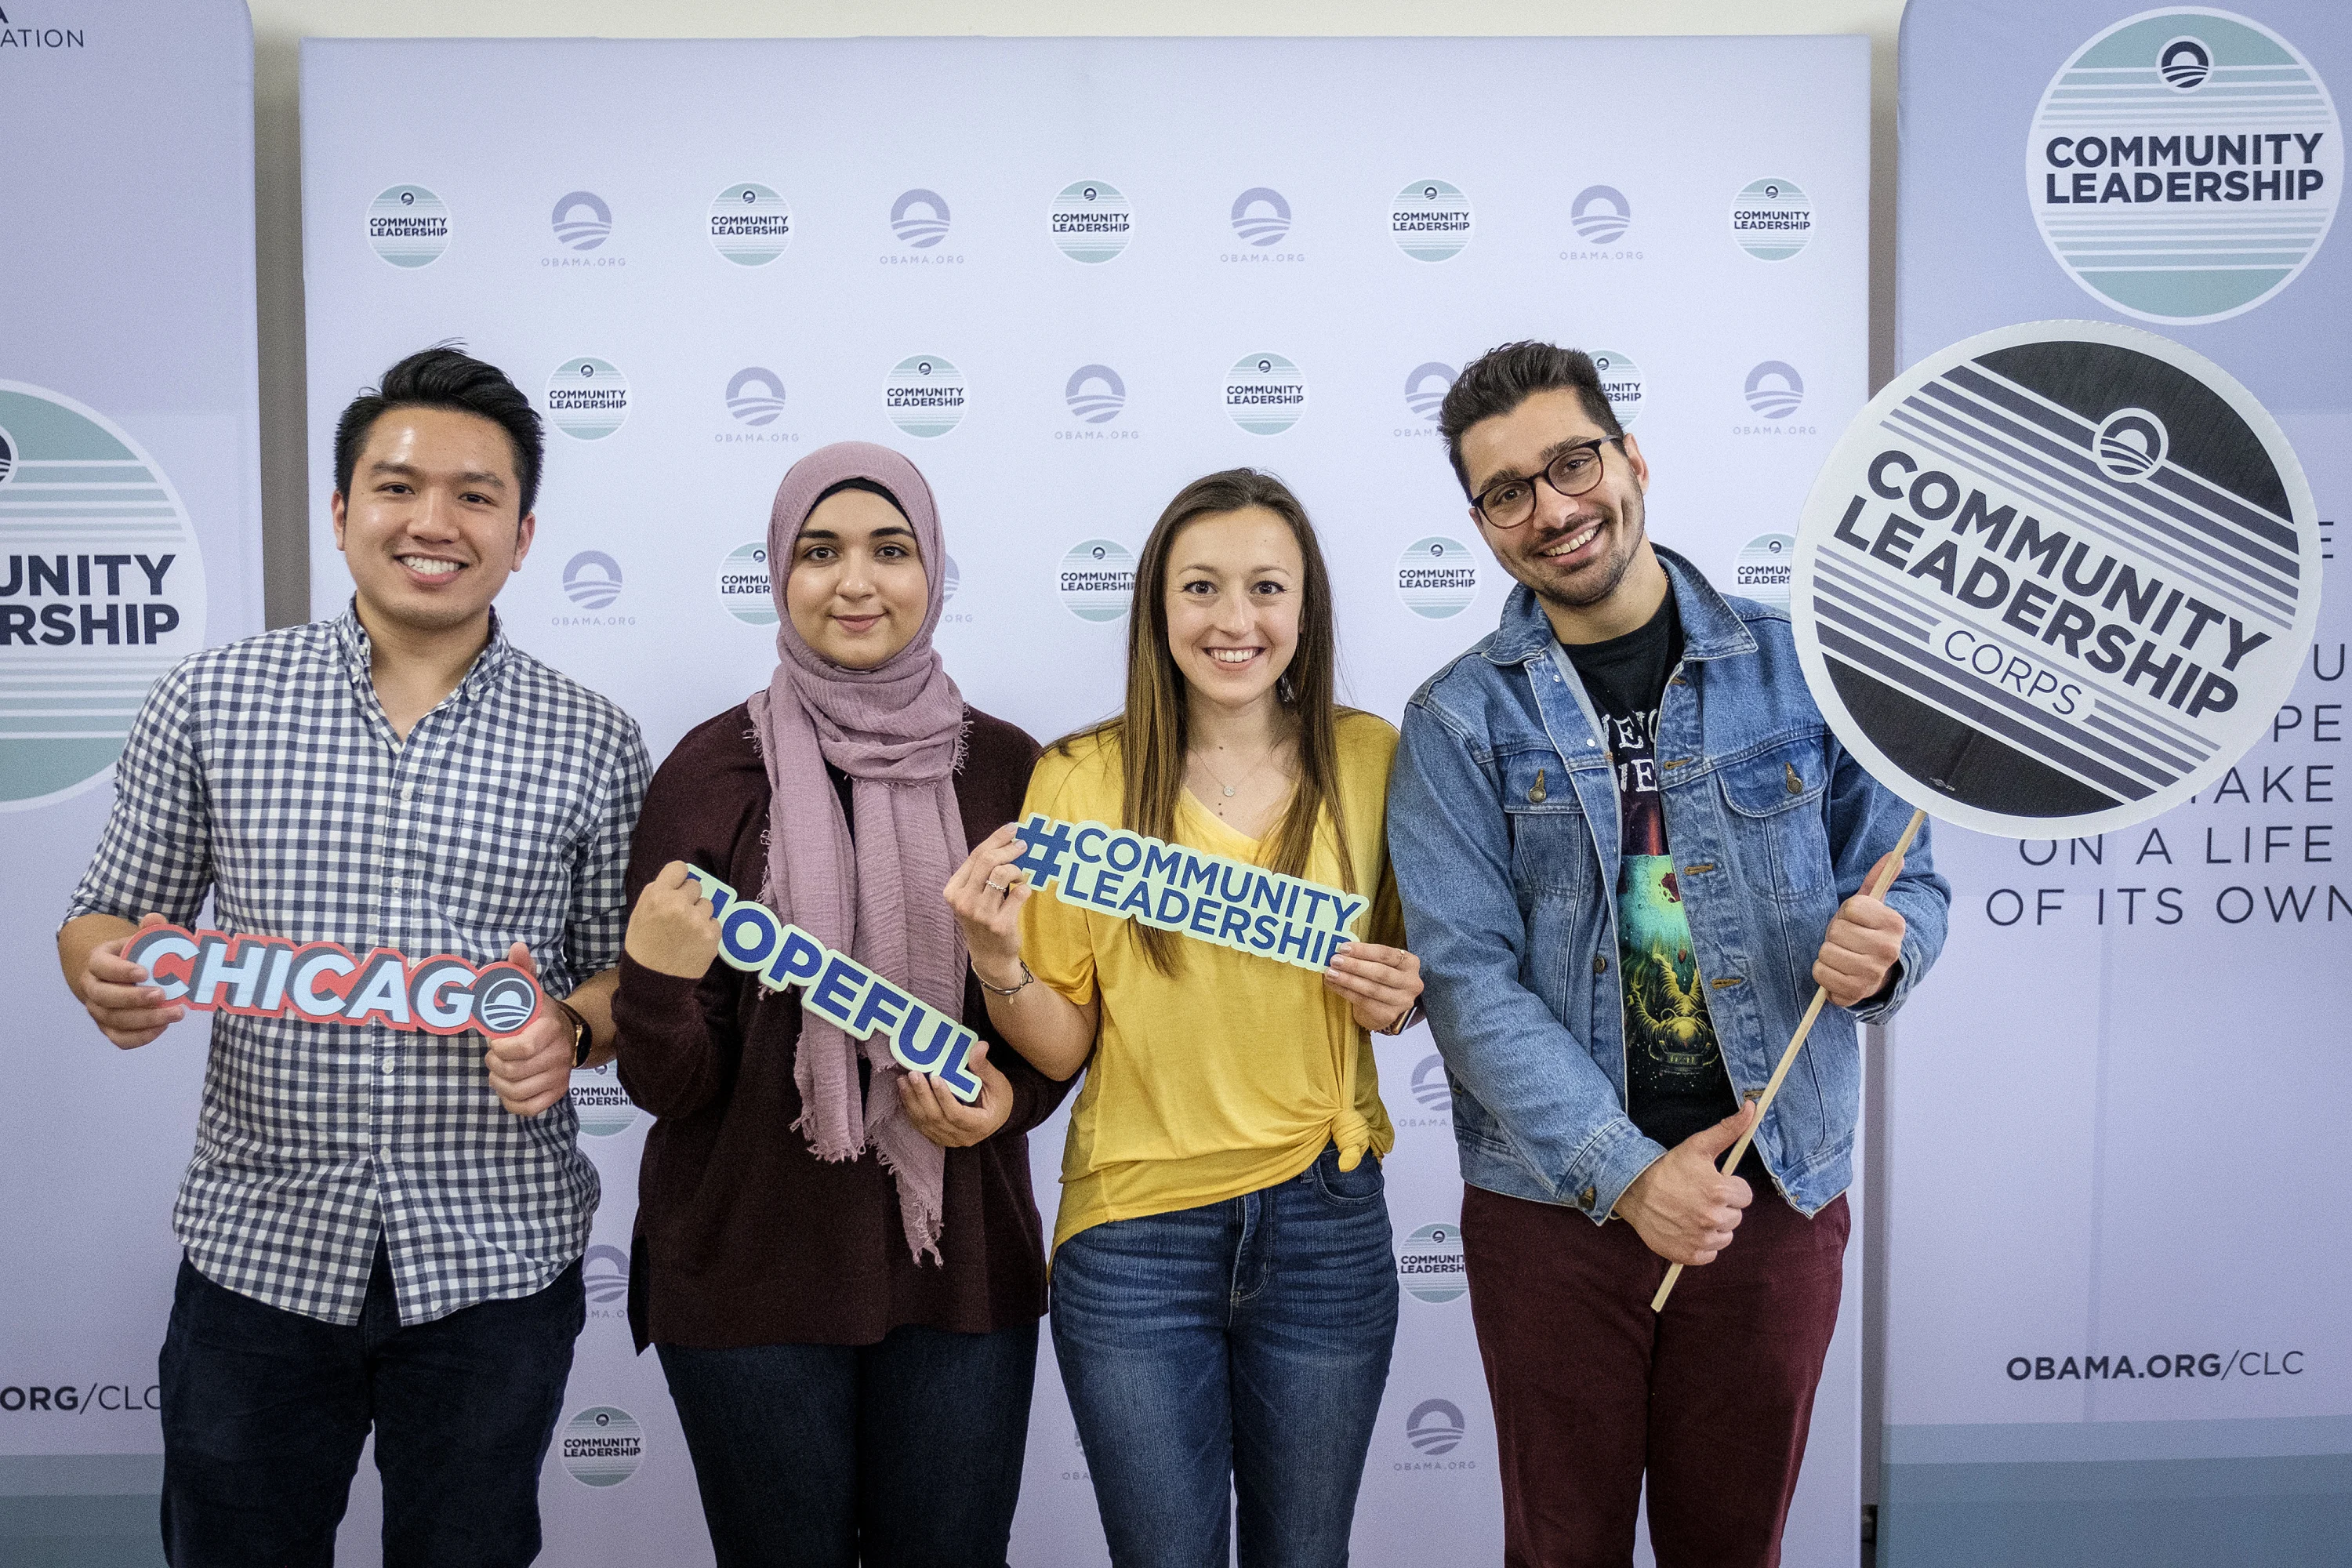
743	1237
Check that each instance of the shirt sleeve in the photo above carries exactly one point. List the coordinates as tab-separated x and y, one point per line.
1056	942
156	851
599	905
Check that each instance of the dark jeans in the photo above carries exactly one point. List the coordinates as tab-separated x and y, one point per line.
1237	1350
1713	1397
264	1413
904	1453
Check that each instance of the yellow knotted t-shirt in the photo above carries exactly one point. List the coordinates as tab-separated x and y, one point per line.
1230	1075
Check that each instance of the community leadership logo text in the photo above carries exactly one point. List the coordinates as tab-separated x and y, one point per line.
587	398
744	591
2184	166
751	224
1621	384
1090	221
1097	580
1437	577
408	225
2056	578
603	1446
1771	219
1429	220
1266	393
924	395
101	591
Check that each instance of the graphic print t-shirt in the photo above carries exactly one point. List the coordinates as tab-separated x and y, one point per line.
1676	1082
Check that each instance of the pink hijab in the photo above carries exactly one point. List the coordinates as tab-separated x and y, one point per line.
897	730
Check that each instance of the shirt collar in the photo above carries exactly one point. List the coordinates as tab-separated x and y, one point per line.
352	644
1711	627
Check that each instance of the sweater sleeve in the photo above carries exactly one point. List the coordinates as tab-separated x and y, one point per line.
680	1042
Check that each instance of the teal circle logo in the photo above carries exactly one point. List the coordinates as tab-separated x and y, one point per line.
751	224
924	395
1621	384
2183	167
1097	579
1437	577
408	225
1765	568
600	1103
1266	393
1091	221
587	398
1429	1264
101	591
603	1446
1429	220
1771	219
743	589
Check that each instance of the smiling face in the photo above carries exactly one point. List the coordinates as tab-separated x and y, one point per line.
1235	592
1587	557
858	592
429	529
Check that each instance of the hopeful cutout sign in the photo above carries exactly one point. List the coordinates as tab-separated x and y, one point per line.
1210	898
840	990
326	983
2056	579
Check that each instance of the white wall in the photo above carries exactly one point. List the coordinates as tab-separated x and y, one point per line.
280	26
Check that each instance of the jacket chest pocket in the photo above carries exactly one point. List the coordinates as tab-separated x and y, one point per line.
1551	843
1779	832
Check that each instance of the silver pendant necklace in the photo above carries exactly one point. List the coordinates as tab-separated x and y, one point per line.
1233	790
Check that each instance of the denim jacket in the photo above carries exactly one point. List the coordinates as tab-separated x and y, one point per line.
1503	828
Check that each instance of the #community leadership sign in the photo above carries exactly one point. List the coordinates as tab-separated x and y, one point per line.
2056	578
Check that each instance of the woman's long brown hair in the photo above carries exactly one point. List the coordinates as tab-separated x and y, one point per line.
1152	732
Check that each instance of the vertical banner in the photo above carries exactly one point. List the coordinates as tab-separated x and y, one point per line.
1065	277
2114	1329
130	536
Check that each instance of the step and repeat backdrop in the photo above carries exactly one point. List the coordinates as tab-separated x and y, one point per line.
1065	277
130	536
2115	1324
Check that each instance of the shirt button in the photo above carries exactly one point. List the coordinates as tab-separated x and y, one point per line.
407	793
1599	964
388	1066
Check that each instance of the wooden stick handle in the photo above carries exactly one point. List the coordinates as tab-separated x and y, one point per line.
1796	1041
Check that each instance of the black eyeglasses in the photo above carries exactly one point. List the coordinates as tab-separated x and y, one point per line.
1507	503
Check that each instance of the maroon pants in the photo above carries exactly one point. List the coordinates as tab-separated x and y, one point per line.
1712	1397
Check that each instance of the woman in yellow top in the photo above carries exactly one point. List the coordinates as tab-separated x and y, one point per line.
1225	1296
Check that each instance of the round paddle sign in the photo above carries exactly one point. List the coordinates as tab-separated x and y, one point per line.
2056	579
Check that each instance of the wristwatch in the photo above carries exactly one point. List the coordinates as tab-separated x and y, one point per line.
583	1039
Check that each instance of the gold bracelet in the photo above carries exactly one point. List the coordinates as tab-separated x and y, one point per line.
1004	990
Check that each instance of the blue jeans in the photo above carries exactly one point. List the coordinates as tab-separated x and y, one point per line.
904	1454
265	1411
1239	1349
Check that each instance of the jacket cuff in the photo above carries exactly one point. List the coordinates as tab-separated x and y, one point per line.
1608	1166
643	990
1890	997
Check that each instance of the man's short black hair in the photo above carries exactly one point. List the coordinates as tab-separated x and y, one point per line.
447	377
1502	378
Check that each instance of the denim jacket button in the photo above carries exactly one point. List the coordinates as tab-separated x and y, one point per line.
1587	1199
1599	964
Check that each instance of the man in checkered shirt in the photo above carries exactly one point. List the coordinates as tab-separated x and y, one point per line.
381	1228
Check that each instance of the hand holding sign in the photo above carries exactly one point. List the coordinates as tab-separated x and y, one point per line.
530	1069
986	894
1381	983
1865	940
1683	1208
672	931
947	1121
127	1009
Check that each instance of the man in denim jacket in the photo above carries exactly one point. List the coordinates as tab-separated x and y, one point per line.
1628	848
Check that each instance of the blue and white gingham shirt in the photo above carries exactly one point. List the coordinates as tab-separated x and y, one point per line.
264	774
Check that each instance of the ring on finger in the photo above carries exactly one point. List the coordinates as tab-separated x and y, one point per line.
999	887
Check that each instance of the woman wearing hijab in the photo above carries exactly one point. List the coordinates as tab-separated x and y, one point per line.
1225	1295
838	1263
